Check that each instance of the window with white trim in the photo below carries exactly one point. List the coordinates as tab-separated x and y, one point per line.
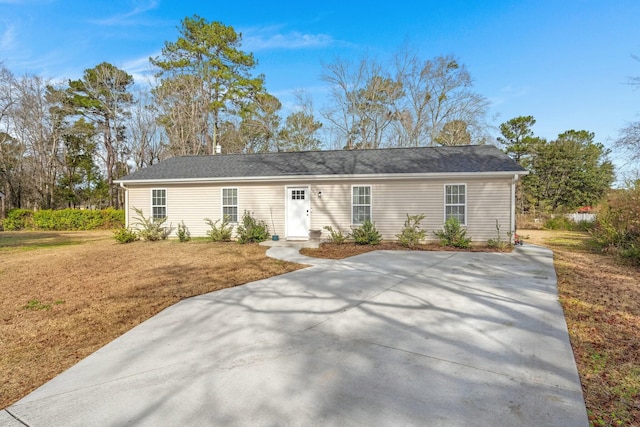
360	204
158	203
455	202
230	204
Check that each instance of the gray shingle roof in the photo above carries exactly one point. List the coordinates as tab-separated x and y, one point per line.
458	159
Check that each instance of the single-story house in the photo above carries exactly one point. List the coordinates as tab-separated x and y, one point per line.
296	192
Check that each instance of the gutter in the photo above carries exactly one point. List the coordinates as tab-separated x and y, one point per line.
514	226
305	178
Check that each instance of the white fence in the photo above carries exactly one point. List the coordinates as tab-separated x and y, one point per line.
581	217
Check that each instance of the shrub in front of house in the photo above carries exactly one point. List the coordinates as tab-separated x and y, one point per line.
336	235
367	234
453	234
411	235
251	230
184	235
219	233
151	229
498	242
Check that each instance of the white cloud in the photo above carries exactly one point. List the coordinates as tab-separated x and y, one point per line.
7	38
268	38
123	18
141	69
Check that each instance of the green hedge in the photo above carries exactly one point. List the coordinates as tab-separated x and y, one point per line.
18	219
63	220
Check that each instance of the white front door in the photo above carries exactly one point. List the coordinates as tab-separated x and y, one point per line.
298	212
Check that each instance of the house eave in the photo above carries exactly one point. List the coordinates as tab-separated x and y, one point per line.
312	178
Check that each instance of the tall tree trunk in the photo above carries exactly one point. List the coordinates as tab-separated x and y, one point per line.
110	161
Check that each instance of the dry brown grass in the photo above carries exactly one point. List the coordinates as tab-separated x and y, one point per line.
97	290
64	295
601	301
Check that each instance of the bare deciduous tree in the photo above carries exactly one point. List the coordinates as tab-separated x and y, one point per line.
363	102
416	103
629	140
145	138
438	91
260	123
38	130
183	115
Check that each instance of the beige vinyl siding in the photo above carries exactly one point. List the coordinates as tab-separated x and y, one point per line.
392	200
192	203
487	200
333	208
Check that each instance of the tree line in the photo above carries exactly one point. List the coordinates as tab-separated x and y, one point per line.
569	172
63	144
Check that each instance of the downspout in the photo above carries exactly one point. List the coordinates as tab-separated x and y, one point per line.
514	228
126	204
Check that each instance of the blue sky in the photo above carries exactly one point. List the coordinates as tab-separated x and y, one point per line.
566	62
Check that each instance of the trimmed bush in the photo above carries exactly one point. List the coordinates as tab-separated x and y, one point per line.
64	219
453	235
220	233
251	230
412	234
367	234
112	218
18	219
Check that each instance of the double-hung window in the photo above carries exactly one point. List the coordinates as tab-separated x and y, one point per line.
230	204
455	202
158	203
361	204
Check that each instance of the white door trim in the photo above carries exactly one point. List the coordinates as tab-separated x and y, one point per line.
297	215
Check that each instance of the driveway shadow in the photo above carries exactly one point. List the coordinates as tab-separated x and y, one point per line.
383	338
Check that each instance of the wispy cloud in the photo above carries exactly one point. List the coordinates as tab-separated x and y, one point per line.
255	39
124	18
508	93
141	69
7	38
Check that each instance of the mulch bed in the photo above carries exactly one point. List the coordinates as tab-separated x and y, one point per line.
345	250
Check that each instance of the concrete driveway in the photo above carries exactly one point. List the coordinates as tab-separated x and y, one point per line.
386	338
